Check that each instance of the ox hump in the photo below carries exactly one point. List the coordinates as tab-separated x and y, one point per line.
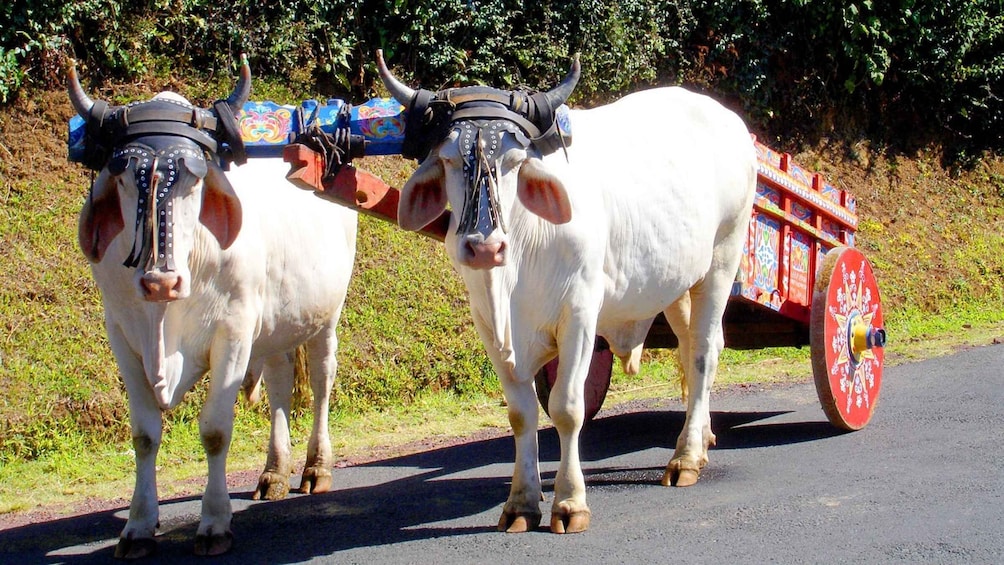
172	96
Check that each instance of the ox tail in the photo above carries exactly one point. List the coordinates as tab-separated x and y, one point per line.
301	381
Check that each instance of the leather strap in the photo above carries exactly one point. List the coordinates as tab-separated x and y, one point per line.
228	132
167	128
416	144
492	113
164	111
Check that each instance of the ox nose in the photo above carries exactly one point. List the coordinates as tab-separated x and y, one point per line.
161	286
482	254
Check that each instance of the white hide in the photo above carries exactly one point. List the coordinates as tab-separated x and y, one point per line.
660	186
282	282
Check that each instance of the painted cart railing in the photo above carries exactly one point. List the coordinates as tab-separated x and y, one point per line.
801	282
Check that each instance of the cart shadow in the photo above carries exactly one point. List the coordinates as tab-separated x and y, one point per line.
431	493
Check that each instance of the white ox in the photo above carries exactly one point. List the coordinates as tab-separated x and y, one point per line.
259	267
647	215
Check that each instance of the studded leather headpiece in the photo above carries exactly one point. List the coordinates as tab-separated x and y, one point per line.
158	164
164	143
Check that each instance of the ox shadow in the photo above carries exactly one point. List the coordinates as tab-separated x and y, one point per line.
427	495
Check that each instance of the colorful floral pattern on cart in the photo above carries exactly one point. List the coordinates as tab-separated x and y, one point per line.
265	123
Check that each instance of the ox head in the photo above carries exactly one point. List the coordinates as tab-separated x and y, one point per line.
481	151
158	180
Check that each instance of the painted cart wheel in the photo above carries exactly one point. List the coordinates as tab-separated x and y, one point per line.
847	338
597	381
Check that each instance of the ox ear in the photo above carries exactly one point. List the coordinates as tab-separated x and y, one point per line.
221	208
423	197
543	193
100	218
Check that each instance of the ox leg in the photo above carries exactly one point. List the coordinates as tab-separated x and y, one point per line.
566	405
678	316
700	320
521	512
323	366
137	538
216	425
273	484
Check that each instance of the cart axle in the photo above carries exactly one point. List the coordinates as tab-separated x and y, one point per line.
864	337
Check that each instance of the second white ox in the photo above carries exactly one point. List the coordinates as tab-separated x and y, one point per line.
647	215
243	268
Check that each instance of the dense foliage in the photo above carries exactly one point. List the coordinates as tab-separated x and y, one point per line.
914	71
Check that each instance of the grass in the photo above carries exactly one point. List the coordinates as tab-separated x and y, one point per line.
411	368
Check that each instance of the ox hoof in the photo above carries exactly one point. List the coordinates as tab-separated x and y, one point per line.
566	521
315	480
519	522
271	486
129	548
216	544
678	475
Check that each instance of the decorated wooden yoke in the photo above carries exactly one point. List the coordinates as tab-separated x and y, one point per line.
320	140
375	127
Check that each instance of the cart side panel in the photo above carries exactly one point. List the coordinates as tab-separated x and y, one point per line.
764	276
798	260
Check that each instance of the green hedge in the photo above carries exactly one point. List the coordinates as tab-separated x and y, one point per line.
902	71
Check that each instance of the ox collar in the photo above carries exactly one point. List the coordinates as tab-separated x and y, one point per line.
157	170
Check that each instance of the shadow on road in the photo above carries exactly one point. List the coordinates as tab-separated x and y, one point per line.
396	500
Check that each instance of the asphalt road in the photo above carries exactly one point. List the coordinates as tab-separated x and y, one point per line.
922	483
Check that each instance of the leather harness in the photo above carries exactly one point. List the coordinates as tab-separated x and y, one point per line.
214	130
481	116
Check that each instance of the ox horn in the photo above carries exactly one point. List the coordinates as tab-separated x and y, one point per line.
242	91
557	95
82	103
397	89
